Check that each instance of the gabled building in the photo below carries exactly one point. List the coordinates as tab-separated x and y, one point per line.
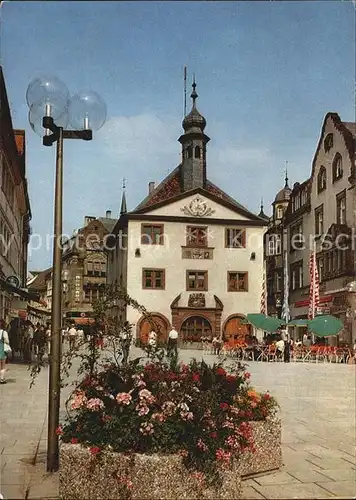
321	216
189	252
84	268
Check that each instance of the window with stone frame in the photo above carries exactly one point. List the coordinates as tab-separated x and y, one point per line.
235	238
7	183
273	244
321	180
197	280
153	279
197	236
319	220
328	142
296	273
237	281
341	208
296	236
152	234
337	167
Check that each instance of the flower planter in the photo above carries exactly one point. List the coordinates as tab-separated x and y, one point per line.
111	475
267	454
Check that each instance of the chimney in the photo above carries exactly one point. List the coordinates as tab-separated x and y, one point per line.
88	219
108	214
151	186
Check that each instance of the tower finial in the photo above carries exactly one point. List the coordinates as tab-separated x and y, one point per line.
261	204
194	95
123	209
286	175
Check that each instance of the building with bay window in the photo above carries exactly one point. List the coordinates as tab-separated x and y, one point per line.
190	253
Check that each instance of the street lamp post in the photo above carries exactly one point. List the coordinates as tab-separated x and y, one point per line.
50	109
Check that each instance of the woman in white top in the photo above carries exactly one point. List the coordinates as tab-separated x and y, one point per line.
4	339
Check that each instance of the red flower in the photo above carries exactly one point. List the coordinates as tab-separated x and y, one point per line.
213	435
59	431
196	377
267	396
172	376
106	418
149	367
231	378
247	375
221	371
94	450
74	441
224	406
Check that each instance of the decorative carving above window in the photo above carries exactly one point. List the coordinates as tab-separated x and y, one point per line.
198	207
196	300
197	253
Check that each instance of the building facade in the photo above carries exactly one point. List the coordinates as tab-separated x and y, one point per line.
320	218
189	253
84	273
15	214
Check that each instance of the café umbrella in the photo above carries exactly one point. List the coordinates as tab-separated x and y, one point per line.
326	325
266	323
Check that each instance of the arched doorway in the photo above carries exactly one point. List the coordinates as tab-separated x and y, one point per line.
235	329
194	328
156	322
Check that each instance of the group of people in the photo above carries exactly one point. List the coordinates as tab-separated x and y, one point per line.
172	343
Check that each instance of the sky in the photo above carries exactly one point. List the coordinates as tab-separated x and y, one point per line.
266	72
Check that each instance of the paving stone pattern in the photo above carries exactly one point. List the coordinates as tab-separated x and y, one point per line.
318	432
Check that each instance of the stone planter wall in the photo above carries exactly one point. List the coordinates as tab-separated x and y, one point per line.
267	436
156	477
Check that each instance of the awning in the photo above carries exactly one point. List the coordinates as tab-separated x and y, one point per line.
81	321
19	291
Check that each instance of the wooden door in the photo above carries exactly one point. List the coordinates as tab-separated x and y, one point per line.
156	323
235	330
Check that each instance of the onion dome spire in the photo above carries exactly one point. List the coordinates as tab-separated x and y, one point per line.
194	121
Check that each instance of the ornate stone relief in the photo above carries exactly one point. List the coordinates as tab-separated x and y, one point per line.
197	207
196	300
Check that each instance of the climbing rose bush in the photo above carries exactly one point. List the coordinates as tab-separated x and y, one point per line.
199	411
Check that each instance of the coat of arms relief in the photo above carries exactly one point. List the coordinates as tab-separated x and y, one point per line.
198	207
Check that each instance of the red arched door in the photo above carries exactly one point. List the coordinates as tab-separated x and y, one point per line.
235	330
154	322
194	328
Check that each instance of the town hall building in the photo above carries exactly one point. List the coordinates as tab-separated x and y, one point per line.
189	253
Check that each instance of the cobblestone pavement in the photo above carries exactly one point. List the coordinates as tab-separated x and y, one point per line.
318	432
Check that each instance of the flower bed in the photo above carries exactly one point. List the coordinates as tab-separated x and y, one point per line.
195	419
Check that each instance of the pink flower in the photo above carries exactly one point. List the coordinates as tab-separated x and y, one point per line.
266	396
147	396
79	400
94	450
220	371
186	415
124	398
74	440
196	377
233	442
183	453
138	382
202	446
142	410
59	430
198	476
125	480
95	404
168	408
223	456
247	375
146	428
159	417
224	406
213	435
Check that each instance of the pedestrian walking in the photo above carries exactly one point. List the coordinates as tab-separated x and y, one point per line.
72	334
173	342
4	350
41	341
48	337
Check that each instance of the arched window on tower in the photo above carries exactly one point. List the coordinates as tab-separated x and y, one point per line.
189	152
197	152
